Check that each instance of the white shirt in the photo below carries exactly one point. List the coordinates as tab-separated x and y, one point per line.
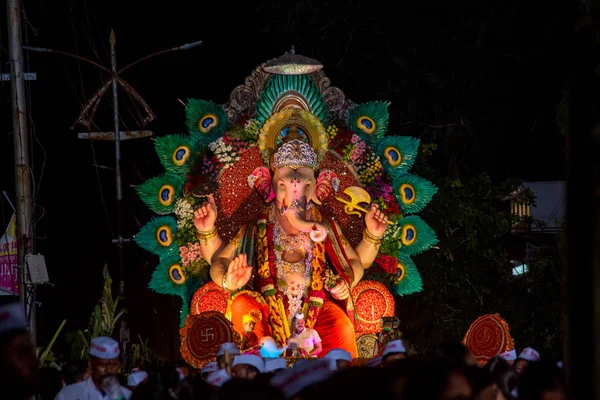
306	340
86	390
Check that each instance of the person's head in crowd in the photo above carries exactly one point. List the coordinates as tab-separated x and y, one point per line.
504	376
527	356
50	382
542	380
76	371
403	369
275	364
183	368
393	350
247	366
238	388
104	358
341	357
484	387
438	380
226	349
454	353
208	368
136	377
509	356
169	376
19	367
350	383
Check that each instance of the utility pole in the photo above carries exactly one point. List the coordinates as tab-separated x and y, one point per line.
85	118
115	92
21	146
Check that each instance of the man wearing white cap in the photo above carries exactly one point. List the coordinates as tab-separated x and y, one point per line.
226	353
342	358
509	356
275	364
525	357
247	366
392	351
305	338
208	368
19	366
103	383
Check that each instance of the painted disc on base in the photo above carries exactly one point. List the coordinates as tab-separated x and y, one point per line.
488	336
203	334
209	297
372	301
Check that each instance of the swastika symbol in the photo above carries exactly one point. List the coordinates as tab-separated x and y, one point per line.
207	334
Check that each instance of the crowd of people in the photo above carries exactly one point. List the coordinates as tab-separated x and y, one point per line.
449	372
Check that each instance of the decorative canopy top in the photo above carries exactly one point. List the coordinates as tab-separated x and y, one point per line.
292	64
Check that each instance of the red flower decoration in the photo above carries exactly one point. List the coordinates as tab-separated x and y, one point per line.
387	263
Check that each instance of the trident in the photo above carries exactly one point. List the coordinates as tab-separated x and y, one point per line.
357	195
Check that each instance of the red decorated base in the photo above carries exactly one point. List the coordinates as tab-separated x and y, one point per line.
372	301
210	297
487	337
203	334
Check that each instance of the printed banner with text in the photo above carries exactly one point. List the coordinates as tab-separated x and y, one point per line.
8	259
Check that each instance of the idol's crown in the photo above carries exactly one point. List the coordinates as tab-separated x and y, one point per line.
295	154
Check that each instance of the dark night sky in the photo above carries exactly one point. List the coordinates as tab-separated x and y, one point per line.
434	64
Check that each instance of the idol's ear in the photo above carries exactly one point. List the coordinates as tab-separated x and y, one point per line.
260	179
327	182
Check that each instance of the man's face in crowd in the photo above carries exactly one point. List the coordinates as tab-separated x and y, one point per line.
103	367
20	365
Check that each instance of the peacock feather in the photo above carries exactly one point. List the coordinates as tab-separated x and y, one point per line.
158	236
369	121
412	192
169	277
206	120
297	88
408	277
159	193
175	152
415	236
397	154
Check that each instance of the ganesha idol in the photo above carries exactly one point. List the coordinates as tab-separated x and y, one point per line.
260	221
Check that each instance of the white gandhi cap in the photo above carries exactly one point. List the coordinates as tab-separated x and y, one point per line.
229	347
395	346
272	364
338	354
250	359
104	347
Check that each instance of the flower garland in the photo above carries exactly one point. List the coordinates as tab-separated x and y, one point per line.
267	271
190	253
267	285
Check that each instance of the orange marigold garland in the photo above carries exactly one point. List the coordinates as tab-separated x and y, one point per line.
267	285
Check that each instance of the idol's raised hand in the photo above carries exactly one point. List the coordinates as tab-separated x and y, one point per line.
205	215
238	273
376	221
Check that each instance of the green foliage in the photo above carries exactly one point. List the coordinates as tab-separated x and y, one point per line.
471	275
143	357
103	320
